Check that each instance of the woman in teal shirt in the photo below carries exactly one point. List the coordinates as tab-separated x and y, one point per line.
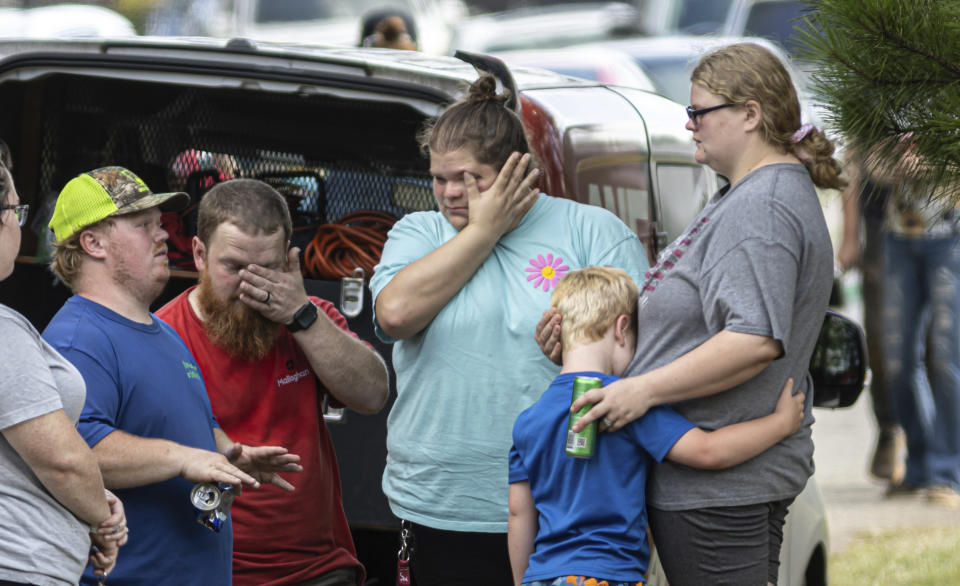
459	291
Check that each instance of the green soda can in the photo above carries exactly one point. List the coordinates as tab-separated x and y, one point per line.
580	445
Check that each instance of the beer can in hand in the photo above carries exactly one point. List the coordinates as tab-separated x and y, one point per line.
212	502
580	445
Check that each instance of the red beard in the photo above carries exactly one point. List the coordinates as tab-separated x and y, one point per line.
242	332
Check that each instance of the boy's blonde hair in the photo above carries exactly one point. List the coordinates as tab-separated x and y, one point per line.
590	300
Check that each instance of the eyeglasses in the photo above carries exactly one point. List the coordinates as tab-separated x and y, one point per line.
20	211
695	115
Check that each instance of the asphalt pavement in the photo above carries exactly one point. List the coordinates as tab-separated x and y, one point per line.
856	504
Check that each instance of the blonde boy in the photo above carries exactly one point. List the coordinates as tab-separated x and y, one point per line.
571	519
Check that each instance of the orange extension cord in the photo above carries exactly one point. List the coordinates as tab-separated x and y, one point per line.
355	241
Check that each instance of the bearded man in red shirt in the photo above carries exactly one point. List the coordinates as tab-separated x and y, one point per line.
269	354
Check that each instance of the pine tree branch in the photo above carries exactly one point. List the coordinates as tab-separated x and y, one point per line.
891	82
888	70
885	33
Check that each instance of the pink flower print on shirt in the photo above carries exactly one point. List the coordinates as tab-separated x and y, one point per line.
545	272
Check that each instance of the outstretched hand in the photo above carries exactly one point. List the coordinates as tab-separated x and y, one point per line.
501	206
265	463
205	466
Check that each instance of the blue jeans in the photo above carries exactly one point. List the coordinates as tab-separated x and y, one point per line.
921	332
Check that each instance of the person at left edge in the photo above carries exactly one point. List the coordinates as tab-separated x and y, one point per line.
269	354
54	511
147	416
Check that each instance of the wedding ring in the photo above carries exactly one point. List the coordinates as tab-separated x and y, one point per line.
607	423
267	300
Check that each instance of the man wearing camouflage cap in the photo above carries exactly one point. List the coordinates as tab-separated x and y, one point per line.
147	416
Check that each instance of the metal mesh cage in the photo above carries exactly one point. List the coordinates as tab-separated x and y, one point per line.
329	156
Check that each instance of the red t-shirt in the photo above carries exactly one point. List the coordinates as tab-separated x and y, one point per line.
278	537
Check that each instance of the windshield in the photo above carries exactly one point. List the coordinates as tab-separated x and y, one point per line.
296	10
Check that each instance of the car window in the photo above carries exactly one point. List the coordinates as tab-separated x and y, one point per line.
670	75
701	16
684	190
776	21
291	10
296	10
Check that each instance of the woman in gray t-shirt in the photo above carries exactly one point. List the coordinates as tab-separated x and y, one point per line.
52	499
732	308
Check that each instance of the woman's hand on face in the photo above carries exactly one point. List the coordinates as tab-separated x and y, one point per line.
502	205
547	335
614	406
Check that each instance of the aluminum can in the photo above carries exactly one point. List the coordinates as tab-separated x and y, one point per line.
580	445
205	496
212	503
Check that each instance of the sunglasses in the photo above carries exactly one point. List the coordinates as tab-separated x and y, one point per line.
20	211
695	115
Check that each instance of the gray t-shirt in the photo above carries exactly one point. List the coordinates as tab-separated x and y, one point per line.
41	542
756	260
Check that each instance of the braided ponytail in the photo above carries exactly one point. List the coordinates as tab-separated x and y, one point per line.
815	151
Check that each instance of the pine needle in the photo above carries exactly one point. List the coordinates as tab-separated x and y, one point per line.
888	75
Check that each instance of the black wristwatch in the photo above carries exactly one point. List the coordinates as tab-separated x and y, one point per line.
304	317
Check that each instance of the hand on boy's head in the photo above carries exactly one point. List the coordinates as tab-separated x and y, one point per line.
791	407
547	335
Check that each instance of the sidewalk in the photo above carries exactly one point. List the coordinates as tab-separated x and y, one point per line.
855	502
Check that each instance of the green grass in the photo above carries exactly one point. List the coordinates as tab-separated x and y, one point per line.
918	557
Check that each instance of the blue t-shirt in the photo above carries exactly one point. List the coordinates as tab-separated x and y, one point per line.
592	511
463	380
141	379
